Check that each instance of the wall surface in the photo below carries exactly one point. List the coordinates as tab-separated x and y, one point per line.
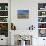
23	24
32	6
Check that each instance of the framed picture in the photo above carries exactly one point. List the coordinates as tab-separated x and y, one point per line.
42	33
3	19
41	6
22	14
4	29
41	25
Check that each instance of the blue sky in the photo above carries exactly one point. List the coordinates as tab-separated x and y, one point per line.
23	12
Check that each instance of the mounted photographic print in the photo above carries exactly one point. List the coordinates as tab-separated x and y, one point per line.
4	29
42	33
22	14
3	19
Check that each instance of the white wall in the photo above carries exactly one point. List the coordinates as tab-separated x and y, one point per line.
23	24
32	5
